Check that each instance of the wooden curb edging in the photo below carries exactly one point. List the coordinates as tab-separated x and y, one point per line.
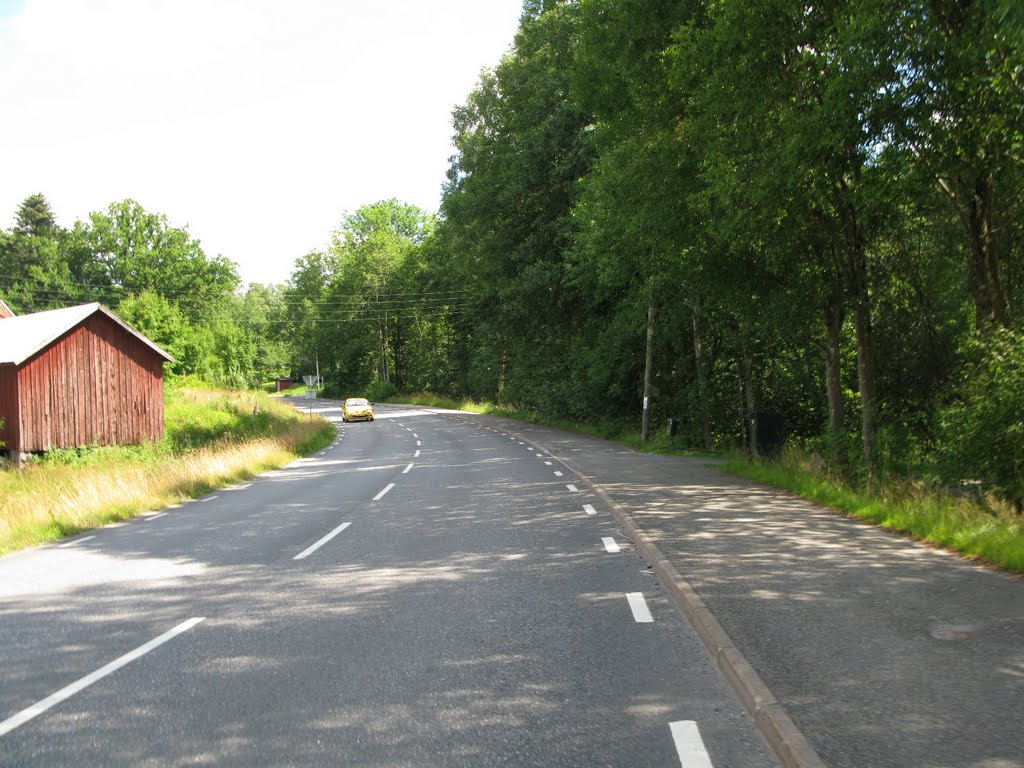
786	740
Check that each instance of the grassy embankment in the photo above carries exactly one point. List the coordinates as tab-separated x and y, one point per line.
979	528
214	438
975	526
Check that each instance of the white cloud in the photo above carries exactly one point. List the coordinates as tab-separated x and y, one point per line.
257	123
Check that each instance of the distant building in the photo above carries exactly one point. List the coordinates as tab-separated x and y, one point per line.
78	376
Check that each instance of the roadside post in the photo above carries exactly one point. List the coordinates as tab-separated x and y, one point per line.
311	383
673	429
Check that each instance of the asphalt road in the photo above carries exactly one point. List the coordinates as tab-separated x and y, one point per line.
424	592
884	652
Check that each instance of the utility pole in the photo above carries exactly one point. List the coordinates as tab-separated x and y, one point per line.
645	424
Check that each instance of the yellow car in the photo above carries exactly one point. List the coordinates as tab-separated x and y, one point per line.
357	409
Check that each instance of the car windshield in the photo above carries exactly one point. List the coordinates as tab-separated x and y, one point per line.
356	401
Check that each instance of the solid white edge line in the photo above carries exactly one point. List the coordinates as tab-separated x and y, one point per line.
314	547
68	691
406	470
589	509
689	744
380	495
637	604
610	544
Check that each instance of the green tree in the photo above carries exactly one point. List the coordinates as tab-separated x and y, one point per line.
959	119
370	250
799	93
132	250
163	322
984	431
521	146
33	272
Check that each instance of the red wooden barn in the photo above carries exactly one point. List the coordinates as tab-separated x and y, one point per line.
78	376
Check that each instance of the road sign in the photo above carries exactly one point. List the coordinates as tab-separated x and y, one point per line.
311	381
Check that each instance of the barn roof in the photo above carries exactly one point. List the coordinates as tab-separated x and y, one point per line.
24	335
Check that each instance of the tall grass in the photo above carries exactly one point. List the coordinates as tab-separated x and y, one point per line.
214	438
977	527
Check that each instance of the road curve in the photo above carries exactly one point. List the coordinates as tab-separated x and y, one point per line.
425	591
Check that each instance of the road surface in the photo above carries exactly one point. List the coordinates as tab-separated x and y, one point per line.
425	592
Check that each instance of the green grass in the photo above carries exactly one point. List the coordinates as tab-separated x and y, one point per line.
214	439
981	529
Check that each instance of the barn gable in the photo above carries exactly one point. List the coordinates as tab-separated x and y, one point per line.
78	376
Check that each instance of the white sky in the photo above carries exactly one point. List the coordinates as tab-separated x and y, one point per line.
256	123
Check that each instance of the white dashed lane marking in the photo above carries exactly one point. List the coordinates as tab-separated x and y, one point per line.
610	544
84	538
637	604
314	547
381	495
689	745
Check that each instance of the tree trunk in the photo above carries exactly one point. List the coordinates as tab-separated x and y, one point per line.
833	331
501	376
748	389
702	380
645	421
989	299
398	345
385	369
865	350
855	250
740	404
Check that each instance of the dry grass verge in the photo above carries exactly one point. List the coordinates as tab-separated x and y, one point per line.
65	495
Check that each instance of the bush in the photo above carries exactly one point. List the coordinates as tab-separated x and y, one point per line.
983	433
380	390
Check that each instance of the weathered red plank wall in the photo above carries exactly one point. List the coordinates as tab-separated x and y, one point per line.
9	407
96	385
